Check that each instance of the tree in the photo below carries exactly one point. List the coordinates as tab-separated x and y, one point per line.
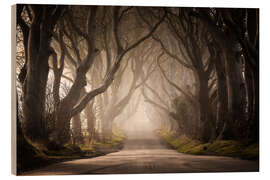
70	106
238	29
38	53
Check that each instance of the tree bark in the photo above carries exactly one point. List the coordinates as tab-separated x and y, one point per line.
235	95
222	107
205	108
91	122
37	70
252	80
77	129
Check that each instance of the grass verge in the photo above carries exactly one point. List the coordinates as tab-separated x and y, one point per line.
32	156
230	148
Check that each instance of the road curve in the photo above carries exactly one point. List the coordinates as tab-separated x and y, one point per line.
143	153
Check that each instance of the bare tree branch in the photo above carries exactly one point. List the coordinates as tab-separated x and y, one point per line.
147	99
110	76
174	85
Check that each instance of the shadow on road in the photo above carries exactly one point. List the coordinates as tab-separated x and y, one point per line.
143	152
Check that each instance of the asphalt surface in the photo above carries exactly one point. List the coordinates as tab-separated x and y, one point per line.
144	153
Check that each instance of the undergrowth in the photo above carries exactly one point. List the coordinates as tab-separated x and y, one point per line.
32	155
230	148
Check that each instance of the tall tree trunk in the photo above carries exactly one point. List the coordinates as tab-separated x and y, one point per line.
222	107
256	119
44	20
205	108
235	95
35	83
62	130
252	80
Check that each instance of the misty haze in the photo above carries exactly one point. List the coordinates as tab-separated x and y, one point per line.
106	89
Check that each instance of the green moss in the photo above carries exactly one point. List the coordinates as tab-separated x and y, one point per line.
175	142
200	149
188	146
252	151
226	148
35	155
231	148
87	148
115	143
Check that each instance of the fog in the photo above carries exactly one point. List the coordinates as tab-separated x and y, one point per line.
139	123
137	70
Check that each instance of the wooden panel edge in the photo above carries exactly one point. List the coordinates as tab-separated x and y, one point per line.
13	93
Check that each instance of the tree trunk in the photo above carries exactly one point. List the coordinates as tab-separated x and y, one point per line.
235	95
107	123
38	46
62	130
107	130
205	108
222	107
35	84
91	121
252	80
76	129
255	135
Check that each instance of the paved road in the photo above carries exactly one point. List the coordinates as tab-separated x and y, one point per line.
144	153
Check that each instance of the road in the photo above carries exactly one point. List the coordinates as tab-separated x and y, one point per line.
143	153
